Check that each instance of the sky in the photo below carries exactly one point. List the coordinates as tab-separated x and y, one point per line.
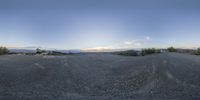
100	24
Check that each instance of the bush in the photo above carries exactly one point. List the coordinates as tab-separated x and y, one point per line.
198	51
171	49
150	51
158	51
128	53
39	51
3	50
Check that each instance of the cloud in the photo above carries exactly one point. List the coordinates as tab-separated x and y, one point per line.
133	43
138	44
99	48
128	42
148	38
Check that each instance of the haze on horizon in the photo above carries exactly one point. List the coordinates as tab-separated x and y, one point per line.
100	24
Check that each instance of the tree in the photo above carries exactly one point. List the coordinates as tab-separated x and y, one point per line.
198	51
40	51
149	51
3	50
171	49
129	53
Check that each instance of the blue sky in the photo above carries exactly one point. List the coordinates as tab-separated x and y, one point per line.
100	24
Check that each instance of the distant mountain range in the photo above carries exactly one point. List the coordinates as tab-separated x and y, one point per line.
23	50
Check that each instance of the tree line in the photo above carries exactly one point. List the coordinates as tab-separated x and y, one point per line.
147	51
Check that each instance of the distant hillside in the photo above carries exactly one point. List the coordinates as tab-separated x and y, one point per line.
22	51
34	51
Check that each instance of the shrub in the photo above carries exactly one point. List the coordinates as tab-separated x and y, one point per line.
128	53
39	51
3	50
150	51
158	51
198	51
171	49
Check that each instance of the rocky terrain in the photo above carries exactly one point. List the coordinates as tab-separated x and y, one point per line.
100	77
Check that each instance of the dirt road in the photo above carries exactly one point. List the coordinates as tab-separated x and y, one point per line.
100	77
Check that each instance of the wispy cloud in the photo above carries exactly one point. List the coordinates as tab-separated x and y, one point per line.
99	48
148	38
128	42
133	43
138	44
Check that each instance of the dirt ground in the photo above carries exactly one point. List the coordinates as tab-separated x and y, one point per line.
100	77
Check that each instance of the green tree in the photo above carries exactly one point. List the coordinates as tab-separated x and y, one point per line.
198	51
171	49
129	53
149	51
3	50
39	51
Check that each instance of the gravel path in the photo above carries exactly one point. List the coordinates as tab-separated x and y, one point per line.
100	77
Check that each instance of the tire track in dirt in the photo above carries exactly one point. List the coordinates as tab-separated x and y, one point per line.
167	63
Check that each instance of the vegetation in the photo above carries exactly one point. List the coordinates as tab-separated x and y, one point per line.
59	53
149	51
158	51
129	53
40	51
198	51
44	52
3	50
139	53
171	49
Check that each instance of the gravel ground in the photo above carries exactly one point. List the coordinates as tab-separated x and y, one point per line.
100	77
